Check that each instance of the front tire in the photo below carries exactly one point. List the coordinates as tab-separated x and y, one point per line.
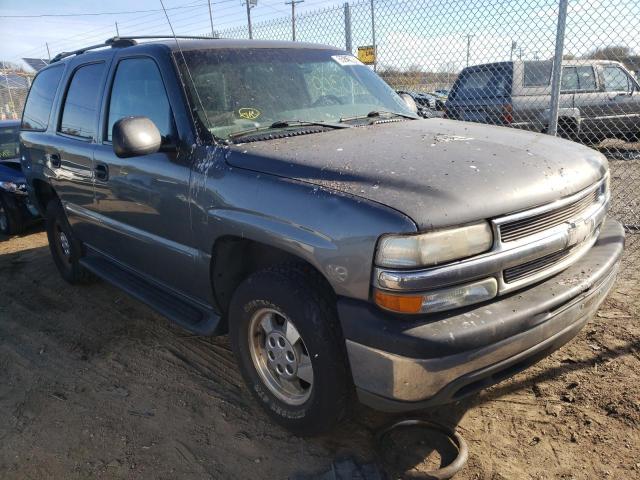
287	341
66	248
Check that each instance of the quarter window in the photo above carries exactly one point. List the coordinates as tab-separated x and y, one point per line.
537	74
81	104
569	79
615	80
40	99
138	90
586	78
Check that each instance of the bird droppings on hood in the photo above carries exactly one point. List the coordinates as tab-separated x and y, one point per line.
393	164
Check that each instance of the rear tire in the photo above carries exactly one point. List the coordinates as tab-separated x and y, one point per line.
10	223
303	384
65	247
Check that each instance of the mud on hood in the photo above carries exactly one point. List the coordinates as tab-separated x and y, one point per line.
438	172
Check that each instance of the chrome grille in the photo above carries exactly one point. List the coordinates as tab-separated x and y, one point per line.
525	270
524	227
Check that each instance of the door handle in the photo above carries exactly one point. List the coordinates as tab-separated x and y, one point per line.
54	159
102	172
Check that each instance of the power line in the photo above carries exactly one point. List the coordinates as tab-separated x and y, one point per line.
95	14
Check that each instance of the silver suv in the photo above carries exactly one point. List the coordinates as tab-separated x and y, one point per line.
599	98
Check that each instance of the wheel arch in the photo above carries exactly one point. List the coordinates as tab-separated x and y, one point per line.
234	258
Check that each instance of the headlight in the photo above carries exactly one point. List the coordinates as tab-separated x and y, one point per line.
433	248
11	187
438	300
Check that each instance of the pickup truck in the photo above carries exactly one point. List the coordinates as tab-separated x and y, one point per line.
284	194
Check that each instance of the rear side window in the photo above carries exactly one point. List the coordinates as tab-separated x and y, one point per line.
138	91
586	78
40	99
487	81
615	80
537	74
79	113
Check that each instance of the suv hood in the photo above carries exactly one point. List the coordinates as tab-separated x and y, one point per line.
438	172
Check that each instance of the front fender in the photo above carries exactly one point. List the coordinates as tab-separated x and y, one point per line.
335	232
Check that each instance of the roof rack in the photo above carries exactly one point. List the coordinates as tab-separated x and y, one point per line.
121	42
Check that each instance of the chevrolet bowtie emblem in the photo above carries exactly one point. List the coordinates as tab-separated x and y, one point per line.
578	232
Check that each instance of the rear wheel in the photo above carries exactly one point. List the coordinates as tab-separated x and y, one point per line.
287	341
65	248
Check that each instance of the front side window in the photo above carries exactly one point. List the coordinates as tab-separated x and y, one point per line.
615	80
40	99
80	109
138	90
238	89
586	78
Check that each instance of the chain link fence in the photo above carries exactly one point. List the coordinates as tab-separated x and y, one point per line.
489	61
495	62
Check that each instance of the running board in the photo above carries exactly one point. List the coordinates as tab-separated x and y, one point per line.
197	318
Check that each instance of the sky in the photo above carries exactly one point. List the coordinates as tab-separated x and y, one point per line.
430	34
26	37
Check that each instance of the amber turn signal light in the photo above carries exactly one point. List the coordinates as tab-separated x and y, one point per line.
399	303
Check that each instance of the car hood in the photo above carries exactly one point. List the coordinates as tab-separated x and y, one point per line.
438	172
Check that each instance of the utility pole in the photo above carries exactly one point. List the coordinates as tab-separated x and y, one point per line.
469	37
347	28
373	37
293	16
211	20
556	76
248	4
117	31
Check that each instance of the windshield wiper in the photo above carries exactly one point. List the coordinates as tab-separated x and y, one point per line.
377	114
285	124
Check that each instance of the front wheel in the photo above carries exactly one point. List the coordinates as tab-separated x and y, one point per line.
287	341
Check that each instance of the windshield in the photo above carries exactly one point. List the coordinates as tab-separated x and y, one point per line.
238	89
9	142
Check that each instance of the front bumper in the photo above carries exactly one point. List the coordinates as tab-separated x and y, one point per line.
406	364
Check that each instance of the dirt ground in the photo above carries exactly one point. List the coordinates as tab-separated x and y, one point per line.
94	384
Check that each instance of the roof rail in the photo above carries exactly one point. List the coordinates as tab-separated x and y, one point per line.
115	42
120	42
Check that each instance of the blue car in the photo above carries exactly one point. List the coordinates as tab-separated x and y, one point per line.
16	211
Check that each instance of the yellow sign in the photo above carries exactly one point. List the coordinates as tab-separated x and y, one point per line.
367	55
249	113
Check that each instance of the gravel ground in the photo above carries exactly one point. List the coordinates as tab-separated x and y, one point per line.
94	384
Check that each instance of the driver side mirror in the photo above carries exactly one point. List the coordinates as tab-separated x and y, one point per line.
135	136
